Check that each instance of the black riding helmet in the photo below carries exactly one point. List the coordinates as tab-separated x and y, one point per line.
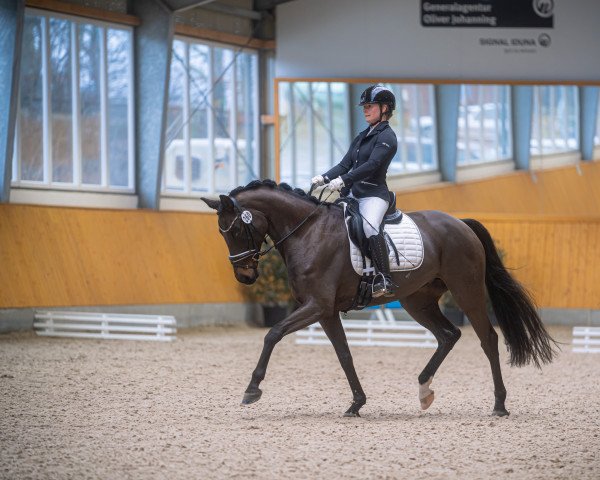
381	95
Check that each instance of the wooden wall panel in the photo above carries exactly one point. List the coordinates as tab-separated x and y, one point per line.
64	256
557	259
53	256
560	191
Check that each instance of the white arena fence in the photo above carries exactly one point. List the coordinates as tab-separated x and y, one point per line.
115	326
586	339
379	329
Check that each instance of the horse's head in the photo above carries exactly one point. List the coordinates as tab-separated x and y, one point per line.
244	231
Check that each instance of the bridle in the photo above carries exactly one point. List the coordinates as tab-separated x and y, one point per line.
253	251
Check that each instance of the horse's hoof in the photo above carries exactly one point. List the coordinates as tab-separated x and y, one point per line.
251	397
427	401
351	414
500	412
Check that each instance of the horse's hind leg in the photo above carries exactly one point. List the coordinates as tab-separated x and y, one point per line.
471	300
335	332
423	307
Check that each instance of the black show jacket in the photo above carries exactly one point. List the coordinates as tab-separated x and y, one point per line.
363	169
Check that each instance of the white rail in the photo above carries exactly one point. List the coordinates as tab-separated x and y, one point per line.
373	333
118	326
586	339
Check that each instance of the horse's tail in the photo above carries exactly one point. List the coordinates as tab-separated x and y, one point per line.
524	333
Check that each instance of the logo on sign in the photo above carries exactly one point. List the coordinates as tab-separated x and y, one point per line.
544	40
544	8
246	217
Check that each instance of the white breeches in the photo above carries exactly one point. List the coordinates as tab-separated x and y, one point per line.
372	209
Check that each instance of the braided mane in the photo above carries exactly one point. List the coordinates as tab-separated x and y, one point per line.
254	184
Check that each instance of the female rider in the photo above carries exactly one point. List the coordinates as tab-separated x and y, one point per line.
362	172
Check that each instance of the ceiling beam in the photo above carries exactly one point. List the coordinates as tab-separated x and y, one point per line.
231	10
262	5
183	5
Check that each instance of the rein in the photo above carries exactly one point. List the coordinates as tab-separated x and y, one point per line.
255	253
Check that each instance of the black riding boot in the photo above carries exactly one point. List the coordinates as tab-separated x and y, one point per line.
382	284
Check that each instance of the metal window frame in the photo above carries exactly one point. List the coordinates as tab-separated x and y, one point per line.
46	104
76	183
331	125
76	105
433	114
188	191
402	140
557	124
311	130
233	133
413	92
292	102
186	137
497	100
468	160
415	89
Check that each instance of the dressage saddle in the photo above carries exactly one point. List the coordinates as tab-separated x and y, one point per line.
355	222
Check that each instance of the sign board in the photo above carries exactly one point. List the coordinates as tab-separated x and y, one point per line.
488	14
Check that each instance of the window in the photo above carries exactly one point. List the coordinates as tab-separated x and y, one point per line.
555	120
314	128
75	113
414	124
484	124
212	119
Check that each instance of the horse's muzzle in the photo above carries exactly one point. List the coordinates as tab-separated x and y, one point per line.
246	275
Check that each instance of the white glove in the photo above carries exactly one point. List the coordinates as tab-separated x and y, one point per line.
336	184
318	180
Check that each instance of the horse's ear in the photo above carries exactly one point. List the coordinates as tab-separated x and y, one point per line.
214	204
227	203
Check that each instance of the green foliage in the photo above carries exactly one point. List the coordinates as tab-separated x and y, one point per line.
272	286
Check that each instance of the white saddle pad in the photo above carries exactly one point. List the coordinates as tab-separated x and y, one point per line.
407	238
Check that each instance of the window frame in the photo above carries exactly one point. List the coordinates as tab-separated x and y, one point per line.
536	119
187	192
292	137
402	153
400	165
77	184
480	129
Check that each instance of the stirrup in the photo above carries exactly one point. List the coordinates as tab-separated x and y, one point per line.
383	287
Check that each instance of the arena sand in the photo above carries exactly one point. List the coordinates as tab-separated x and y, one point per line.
76	409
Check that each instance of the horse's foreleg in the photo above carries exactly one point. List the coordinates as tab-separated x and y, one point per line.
301	318
335	332
423	307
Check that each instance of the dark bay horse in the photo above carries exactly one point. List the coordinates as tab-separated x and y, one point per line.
460	256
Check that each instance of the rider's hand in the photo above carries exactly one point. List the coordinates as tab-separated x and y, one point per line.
336	184
318	181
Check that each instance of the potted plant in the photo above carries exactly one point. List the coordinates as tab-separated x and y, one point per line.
271	290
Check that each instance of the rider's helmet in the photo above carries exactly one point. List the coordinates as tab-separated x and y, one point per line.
379	94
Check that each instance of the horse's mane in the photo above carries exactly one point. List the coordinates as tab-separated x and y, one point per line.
284	187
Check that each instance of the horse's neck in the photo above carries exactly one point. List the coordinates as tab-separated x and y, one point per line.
283	211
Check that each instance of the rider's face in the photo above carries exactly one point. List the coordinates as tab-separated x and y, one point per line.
372	112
